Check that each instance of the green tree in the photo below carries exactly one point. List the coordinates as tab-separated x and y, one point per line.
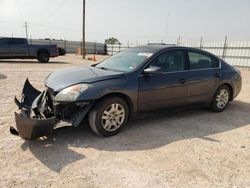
112	40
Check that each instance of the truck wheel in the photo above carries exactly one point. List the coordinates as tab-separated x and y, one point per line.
109	116
220	99
43	57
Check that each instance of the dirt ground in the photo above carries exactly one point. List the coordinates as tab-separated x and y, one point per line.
194	148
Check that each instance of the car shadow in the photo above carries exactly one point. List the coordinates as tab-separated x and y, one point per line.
31	62
2	77
150	131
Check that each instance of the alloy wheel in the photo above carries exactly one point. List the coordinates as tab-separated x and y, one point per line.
113	117
222	99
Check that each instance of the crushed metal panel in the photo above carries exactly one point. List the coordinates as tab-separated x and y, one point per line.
29	94
36	116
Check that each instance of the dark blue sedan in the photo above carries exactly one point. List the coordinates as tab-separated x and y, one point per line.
136	80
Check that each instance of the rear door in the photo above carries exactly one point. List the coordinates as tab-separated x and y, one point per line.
204	76
168	88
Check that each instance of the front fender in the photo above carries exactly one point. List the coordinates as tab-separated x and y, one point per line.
125	87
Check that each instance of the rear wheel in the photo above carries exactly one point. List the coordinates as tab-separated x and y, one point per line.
43	57
220	99
109	116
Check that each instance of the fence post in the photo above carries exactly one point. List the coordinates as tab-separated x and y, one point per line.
201	43
178	40
224	48
112	49
105	49
65	46
95	48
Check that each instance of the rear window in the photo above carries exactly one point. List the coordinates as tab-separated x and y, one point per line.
202	61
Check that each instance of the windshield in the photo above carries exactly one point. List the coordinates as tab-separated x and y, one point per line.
125	61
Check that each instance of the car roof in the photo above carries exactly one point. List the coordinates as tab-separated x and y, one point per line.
12	38
153	48
158	48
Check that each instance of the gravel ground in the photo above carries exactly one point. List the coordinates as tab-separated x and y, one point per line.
194	148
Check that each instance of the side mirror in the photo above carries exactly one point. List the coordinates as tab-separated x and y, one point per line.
153	70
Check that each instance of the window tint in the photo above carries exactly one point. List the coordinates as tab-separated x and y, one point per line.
170	61
202	61
3	41
16	41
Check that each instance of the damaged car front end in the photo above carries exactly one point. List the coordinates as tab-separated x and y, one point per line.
39	112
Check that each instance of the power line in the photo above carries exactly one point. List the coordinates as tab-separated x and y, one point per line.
55	10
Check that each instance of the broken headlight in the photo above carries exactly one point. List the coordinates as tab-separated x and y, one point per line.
71	93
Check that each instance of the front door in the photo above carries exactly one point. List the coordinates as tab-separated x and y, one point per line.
168	88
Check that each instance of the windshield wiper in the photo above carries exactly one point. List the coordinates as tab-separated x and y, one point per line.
108	69
103	68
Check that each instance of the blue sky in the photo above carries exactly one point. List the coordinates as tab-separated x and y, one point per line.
133	20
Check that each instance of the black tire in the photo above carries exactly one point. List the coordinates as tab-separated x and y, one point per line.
215	106
43	57
97	112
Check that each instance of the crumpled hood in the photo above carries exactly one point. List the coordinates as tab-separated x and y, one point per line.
64	78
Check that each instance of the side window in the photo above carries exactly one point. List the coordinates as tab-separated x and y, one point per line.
3	41
202	61
16	41
170	61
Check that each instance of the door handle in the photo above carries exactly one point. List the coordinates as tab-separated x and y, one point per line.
217	75
183	80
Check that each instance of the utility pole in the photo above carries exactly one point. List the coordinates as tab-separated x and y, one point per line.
179	41
167	27
83	30
26	29
224	49
30	39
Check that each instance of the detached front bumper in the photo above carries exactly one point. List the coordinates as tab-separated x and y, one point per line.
35	117
31	129
38	113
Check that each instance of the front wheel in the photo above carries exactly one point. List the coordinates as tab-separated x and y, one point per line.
220	99
109	116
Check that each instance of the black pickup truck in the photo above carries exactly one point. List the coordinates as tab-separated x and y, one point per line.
18	48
